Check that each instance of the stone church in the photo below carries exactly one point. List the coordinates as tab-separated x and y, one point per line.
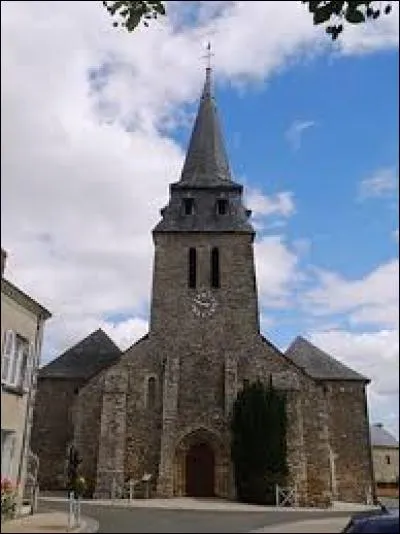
162	407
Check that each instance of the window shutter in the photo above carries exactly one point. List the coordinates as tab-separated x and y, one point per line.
29	367
16	374
7	356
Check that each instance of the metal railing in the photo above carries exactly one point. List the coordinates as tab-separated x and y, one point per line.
285	496
128	490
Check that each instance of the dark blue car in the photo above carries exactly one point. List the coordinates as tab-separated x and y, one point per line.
384	521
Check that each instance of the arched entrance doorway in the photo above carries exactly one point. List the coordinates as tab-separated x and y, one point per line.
202	466
200	470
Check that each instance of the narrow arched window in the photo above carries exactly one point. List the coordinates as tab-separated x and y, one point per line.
192	268
222	206
151	392
214	267
188	206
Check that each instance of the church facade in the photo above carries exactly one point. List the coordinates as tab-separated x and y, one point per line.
163	406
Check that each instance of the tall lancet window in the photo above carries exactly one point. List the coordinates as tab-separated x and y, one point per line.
192	268
151	392
215	267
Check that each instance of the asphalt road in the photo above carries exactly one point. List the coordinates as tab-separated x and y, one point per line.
118	519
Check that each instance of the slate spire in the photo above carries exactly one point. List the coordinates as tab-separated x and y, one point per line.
206	162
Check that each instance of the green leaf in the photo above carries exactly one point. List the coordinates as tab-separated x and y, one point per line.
117	5
313	6
354	15
133	21
322	14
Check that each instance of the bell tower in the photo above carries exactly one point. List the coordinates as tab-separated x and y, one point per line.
204	266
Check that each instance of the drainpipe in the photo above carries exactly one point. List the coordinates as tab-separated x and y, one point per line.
29	404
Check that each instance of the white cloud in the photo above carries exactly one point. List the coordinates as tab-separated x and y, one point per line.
80	193
374	299
382	183
295	132
276	270
396	235
281	203
376	356
126	332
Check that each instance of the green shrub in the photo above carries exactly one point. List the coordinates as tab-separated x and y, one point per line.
258	450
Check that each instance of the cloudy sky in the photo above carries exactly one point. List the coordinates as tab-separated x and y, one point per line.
95	122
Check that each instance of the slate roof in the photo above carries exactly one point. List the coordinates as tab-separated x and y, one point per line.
318	364
84	359
381	437
206	160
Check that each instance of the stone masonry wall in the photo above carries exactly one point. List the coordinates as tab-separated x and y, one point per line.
110	466
143	427
52	429
316	442
87	419
349	440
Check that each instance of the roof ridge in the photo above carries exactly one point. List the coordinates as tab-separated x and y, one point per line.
323	373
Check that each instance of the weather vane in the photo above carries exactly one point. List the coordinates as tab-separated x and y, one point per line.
208	55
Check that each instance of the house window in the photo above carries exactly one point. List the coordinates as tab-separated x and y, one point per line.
222	206
7	452
215	267
151	392
387	458
192	268
17	360
188	206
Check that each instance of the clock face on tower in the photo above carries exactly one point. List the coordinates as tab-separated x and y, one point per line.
204	304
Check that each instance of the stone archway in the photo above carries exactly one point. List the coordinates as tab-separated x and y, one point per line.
200	470
202	466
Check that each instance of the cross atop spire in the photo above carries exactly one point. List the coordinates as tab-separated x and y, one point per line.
208	55
207	84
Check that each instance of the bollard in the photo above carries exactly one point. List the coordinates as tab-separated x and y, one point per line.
70	510
78	512
131	490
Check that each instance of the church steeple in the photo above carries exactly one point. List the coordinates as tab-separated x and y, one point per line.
205	199
206	162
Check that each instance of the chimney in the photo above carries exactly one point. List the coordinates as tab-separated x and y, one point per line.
3	261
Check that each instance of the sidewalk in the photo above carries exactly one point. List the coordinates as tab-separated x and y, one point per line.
212	504
333	524
48	522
